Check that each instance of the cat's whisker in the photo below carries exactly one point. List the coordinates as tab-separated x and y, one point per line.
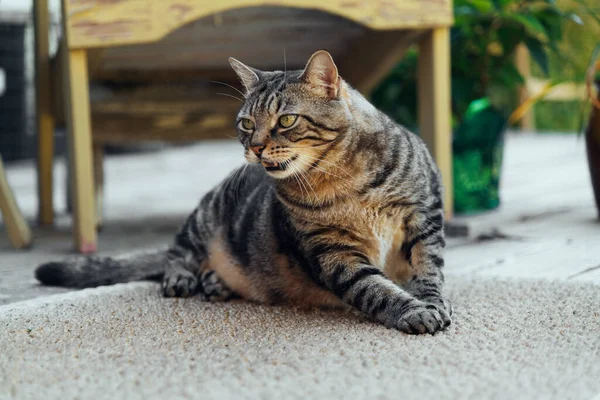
295	175
312	158
230	137
306	177
301	179
233	87
232	96
324	171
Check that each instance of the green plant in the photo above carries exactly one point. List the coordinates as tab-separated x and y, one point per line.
484	40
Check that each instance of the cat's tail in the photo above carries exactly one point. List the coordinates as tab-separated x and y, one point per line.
84	272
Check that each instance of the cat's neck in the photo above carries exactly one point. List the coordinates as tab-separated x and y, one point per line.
332	180
367	118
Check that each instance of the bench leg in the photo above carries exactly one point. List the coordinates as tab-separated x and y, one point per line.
18	230
434	105
98	155
77	106
44	117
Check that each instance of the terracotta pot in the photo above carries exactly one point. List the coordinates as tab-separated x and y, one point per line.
592	141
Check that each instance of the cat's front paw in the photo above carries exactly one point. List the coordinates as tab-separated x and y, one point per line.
179	283
213	288
425	318
442	303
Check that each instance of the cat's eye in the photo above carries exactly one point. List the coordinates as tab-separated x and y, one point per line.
246	124
285	121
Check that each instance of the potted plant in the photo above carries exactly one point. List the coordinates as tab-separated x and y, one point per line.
592	132
485	82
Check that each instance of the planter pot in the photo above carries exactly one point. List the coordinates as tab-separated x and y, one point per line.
592	142
478	146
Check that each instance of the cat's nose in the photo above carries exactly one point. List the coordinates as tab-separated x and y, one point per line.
258	149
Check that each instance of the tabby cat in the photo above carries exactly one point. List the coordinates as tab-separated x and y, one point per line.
337	203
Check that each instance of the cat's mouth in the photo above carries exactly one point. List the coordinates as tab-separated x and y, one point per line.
277	165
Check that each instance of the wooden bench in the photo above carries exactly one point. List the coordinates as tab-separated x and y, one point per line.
145	53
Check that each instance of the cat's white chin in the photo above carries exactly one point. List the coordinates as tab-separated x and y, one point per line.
279	173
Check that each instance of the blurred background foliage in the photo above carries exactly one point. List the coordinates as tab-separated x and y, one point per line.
560	37
576	47
559	34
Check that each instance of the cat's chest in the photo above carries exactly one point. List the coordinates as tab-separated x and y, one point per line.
381	230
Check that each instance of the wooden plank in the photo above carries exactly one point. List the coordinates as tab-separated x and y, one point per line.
173	112
374	55
18	230
134	106
173	98
162	75
434	105
257	36
109	23
95	60
117	129
44	117
80	147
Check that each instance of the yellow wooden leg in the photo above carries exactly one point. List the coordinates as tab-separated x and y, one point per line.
77	107
44	118
523	63
99	182
434	104
18	230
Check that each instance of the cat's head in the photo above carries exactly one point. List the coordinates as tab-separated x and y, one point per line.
291	119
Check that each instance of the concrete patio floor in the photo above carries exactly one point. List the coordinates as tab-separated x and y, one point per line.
546	227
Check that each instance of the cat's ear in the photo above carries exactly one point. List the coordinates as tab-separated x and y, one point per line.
248	75
322	74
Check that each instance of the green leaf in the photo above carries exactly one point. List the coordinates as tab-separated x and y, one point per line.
504	3
575	18
465	10
553	24
483	6
591	12
530	23
510	76
536	49
510	37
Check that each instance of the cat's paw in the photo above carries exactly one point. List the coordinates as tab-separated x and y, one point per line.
442	303
426	318
179	283
213	288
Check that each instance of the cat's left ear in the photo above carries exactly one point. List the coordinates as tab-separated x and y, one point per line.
322	75
248	75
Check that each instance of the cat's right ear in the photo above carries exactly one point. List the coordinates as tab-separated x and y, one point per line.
248	75
322	75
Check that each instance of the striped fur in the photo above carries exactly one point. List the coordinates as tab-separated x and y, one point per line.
343	208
